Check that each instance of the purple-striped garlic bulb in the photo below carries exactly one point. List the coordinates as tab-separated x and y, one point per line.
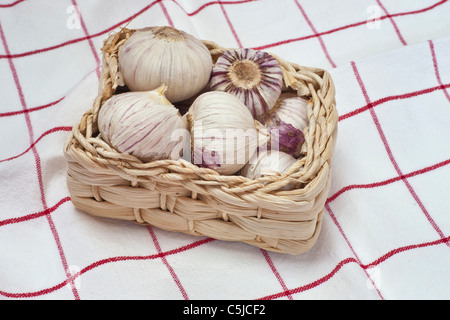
286	122
144	124
224	135
253	76
154	56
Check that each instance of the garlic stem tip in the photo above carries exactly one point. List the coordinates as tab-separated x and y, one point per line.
161	90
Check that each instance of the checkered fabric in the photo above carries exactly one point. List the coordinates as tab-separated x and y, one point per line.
386	224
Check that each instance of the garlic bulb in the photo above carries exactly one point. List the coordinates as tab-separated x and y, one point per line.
164	55
267	162
224	135
286	122
142	124
255	77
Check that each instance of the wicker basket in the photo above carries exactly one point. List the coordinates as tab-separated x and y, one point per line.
179	196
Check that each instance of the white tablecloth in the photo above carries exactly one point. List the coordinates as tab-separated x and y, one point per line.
386	224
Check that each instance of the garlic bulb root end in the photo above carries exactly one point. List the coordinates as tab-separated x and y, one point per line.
169	33
254	77
245	74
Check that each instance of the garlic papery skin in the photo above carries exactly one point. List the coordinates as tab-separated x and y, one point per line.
289	108
286	122
165	55
142	124
267	162
255	77
224	135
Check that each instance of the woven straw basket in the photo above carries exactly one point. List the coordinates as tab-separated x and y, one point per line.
178	196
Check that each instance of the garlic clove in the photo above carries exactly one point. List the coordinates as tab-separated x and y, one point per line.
223	132
286	122
184	105
268	162
289	108
285	137
143	124
254	77
165	55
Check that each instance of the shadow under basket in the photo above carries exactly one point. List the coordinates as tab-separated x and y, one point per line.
178	196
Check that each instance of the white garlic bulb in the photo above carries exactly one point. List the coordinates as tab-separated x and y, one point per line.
286	122
224	135
142	124
267	162
254	76
164	55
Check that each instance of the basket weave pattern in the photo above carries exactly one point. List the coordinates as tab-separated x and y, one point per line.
178	196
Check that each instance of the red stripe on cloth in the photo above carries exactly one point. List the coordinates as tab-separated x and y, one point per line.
233	31
36	293
353	260
397	30
392	253
35	215
316	34
37	161
56	129
14	113
436	69
209	4
352	25
311	285
275	272
9	5
391	156
287	41
103	262
391	98
388	181
420	10
89	39
27	117
166	14
333	217
42	50
166	263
